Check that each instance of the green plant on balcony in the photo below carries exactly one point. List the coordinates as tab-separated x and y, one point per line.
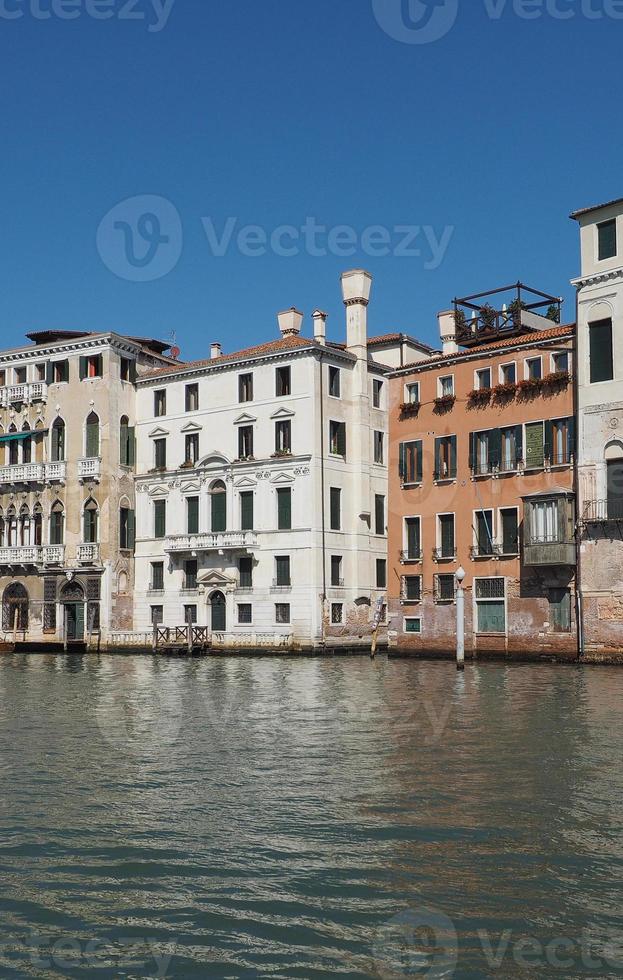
410	408
553	313
558	379
505	390
488	317
515	309
444	403
530	386
479	396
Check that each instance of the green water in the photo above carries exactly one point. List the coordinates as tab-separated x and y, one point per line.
316	818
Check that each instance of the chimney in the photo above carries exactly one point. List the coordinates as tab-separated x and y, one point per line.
320	326
447	331
290	322
215	351
356	286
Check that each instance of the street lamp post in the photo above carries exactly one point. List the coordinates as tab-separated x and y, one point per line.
460	619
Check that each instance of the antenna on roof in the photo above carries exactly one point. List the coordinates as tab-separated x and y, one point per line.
175	351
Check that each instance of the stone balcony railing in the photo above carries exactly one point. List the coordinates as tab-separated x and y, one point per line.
222	541
14	394
90	468
88	554
33	472
49	554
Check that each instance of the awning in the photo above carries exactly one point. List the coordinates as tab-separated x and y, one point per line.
11	436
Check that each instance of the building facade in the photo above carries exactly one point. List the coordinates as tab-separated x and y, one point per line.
482	476
67	418
600	428
262	486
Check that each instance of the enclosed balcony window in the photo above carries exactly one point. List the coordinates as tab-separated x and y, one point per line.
549	529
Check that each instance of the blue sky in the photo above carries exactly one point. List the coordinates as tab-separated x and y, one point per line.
271	113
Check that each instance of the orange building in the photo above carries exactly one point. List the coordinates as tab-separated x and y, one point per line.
482	440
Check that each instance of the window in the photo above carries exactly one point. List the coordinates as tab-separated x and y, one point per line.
411	588
543	521
282	613
535	445
282	382
483	533
245	441
336	571
445	535
560	610
191	448
58	441
91	366
334	382
191	398
92	436
160	454
444	588
508	374
160	518
379	438
606	240
190	573
509	530
337	438
20	376
412	539
480	457
126	442
412	624
2	378
337	613
190	615
57	524
489	596
412	393
157	615
377	392
534	368
218	507
283	436
445	458
246	510
601	355
245	387
157	576
282	571
511	442
60	372
245	567
335	501
560	441
91	522
127	369
560	362
381	573
245	613
483	379
379	513
410	462
615	489
284	509
39	372
160	402
446	386
126	529
192	515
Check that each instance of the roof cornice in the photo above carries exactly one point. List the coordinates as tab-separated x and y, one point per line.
598	278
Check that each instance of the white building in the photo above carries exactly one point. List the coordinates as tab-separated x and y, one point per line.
262	486
600	427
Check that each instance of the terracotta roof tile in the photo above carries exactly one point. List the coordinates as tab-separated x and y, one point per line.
273	347
597	207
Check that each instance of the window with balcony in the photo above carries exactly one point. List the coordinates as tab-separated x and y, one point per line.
283	437
511	448
192	515
284	509
283	384
445	458
335	509
218	507
508	374
20	375
483	379
190	573
157	576
92	436
157	615
126	442
59	372
445	386
410	462
483	534
489	598
601	358
615	489
377	393
445	536
535	445
245	387
534	369
57	450
411	588
379	513
334	382
379	447
245	441
160	454
245	569
246	510
606	240
57	523
191	398
91	367
40	372
160	519
127	524
559	441
90	522
282	571
337	613
2	378
381	573
191	448
412	539
160	402
337	438
509	530
337	578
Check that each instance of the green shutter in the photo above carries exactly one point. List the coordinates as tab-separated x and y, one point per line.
123	445
131	530
192	503
548	448
131	445
219	512
49	373
571	437
335	501
160	518
472	450
601	362
83	368
452	457
495	447
93	439
402	461
246	510
418	462
437	458
284	509
519	443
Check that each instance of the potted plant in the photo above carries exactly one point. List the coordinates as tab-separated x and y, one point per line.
488	317
410	408
558	379
505	390
479	396
444	402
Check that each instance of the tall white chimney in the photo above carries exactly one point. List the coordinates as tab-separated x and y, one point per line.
320	326
215	350
356	287
290	322
447	331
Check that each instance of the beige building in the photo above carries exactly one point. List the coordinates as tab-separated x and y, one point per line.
67	420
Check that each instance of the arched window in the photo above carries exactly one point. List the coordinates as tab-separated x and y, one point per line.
37	524
24	525
92	436
15	608
126	442
2	529
91	522
57	523
11	527
2	445
26	445
58	441
38	438
614	478
13	446
218	507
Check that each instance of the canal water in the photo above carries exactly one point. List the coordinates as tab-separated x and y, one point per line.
309	818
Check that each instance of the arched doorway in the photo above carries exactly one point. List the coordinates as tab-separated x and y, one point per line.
219	614
72	599
15	608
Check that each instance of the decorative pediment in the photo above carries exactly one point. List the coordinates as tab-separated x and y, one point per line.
158	432
215	579
191	427
282	413
282	478
192	486
158	491
245	483
245	419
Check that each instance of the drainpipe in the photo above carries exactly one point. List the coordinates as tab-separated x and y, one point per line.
322	502
579	597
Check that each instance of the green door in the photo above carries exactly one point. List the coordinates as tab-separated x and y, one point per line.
219	619
74	619
534	444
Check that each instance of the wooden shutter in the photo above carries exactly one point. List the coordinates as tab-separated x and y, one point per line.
160	518
49	372
452	457
83	368
472	450
548	446
246	510
437	458
192	515
93	439
341	439
418	462
570	437
519	443
335	508
284	509
131	530
219	512
601	362
402	461
495	447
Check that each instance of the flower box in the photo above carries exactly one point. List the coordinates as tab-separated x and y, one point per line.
558	379
445	402
479	395
506	390
410	408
